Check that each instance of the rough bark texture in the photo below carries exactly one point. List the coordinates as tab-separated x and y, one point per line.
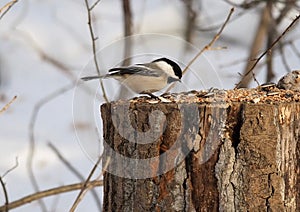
241	157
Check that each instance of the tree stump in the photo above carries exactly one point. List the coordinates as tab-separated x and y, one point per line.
234	150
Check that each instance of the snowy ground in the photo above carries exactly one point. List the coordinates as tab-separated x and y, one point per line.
70	121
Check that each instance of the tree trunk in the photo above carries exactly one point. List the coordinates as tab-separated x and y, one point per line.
222	156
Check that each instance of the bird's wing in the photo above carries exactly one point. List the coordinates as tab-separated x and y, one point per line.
135	69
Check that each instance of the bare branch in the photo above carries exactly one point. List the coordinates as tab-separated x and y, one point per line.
5	195
258	41
85	187
63	68
104	167
12	168
245	4
288	5
65	161
32	122
94	38
271	35
51	192
128	30
94	5
207	47
128	44
8	104
215	38
269	49
74	171
216	26
4	187
6	8
191	16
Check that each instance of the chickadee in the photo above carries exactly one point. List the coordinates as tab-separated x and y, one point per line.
290	81
145	78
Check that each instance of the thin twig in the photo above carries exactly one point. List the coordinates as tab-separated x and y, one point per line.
63	68
216	26
94	5
269	49
4	187
288	6
104	167
242	60
12	168
245	4
50	192
5	196
8	104
93	38
85	186
32	122
6	8
59	65
65	161
74	171
207	47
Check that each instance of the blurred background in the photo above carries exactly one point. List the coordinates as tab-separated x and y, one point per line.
46	46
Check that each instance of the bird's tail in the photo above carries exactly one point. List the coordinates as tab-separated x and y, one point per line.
92	78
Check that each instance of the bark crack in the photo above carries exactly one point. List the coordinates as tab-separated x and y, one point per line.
272	192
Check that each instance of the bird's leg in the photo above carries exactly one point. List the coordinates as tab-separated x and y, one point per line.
150	94
162	99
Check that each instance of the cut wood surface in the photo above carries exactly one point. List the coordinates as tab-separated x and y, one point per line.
234	150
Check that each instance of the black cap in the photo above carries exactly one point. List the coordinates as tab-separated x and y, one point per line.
175	66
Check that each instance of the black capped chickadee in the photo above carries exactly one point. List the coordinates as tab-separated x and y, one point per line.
145	78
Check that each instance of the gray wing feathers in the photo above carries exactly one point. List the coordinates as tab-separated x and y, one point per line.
145	70
140	70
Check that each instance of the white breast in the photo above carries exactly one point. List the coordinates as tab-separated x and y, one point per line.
140	84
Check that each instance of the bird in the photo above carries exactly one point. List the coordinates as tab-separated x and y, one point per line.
145	78
290	81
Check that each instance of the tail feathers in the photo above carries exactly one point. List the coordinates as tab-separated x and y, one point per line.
92	77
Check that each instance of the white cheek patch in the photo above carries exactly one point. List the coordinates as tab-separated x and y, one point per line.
167	68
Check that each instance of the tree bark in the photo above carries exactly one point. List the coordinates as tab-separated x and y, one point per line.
226	156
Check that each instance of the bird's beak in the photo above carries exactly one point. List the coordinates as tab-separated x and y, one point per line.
177	80
171	79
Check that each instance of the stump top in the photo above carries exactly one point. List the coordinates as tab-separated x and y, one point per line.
257	95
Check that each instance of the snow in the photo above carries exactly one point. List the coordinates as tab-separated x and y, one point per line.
71	121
